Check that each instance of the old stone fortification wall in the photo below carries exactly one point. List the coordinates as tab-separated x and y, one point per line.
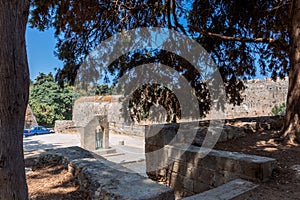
259	99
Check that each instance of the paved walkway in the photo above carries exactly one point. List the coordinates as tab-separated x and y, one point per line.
57	140
130	155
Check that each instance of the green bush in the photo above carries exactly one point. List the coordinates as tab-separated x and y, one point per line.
278	109
50	102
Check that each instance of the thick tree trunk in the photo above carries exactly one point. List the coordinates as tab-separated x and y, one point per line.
14	83
291	129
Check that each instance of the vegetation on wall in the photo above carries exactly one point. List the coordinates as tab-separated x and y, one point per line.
279	109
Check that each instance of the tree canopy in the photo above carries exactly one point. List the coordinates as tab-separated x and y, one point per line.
243	37
50	102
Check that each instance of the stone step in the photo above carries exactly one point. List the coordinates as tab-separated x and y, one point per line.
227	191
105	151
230	165
112	154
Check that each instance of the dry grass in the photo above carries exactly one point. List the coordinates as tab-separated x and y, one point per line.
52	182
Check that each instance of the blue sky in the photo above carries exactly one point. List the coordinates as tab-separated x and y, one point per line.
40	52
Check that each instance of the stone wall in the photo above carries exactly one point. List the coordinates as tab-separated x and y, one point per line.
30	119
259	99
159	135
100	178
65	127
121	128
85	108
192	172
190	169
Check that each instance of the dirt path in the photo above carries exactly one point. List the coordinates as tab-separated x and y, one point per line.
285	183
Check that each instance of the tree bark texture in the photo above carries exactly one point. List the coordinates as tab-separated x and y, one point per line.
14	89
292	121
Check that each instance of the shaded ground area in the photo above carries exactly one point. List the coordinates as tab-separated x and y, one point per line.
285	183
56	183
52	182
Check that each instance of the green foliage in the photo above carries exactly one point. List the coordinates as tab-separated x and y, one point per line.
149	95
103	90
278	109
241	36
50	102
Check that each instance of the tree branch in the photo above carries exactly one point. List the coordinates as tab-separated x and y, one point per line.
175	17
168	2
132	8
230	38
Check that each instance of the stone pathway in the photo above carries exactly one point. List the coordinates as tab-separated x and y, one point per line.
130	155
50	141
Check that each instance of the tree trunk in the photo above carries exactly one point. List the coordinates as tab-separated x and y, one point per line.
14	87
291	129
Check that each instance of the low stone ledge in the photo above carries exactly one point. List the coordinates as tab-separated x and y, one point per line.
250	167
102	179
192	170
158	135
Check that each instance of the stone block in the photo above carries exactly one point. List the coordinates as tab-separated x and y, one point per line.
101	179
208	162
229	175
176	181
187	193
225	166
190	157
200	186
174	153
191	164
217	179
256	171
179	167
205	175
227	191
191	173
188	184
